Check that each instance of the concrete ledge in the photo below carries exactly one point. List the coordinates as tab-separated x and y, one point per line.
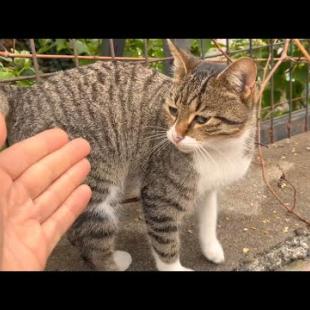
251	223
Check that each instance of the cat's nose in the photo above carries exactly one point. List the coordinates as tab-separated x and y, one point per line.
178	138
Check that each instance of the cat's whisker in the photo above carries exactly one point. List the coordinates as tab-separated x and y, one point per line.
162	147
220	153
157	146
158	127
207	154
153	139
154	150
156	135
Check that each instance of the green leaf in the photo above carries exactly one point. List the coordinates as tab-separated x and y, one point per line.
6	75
61	44
26	71
81	47
300	72
6	59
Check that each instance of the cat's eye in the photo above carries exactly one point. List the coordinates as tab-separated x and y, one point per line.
173	111
201	119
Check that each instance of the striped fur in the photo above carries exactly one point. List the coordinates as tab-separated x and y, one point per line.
121	109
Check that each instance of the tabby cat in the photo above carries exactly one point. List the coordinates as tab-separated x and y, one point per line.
177	140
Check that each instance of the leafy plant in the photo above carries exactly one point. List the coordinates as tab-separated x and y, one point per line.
288	83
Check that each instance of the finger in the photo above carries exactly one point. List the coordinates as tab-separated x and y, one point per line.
20	156
43	173
58	192
56	225
2	130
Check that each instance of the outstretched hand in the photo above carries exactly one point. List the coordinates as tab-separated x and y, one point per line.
40	195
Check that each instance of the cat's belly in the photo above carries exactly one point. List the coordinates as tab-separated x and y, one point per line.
219	173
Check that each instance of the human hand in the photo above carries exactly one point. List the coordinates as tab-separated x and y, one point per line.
40	195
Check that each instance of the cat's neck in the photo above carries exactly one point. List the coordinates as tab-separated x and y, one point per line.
224	163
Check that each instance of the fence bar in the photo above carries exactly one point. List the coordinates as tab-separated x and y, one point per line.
76	60
227	49
307	99
55	56
289	124
146	49
250	48
202	53
271	94
112	50
34	59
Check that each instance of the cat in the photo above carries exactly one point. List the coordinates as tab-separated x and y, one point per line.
178	139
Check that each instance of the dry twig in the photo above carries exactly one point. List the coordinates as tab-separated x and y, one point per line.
221	50
261	157
302	49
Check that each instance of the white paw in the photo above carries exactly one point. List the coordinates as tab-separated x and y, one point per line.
122	260
185	269
214	252
174	268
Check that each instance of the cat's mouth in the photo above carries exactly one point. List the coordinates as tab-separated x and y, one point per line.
184	144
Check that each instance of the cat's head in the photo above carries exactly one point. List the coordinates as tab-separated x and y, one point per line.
209	102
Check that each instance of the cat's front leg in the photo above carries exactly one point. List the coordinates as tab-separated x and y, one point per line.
211	247
163	215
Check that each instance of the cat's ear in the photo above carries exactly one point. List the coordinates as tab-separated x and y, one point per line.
183	62
241	76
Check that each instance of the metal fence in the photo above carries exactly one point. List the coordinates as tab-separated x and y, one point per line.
273	127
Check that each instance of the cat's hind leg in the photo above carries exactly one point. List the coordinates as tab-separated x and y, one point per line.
94	234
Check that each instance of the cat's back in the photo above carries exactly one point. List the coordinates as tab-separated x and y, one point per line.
83	100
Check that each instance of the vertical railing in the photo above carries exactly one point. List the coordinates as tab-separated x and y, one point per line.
146	49
307	96
227	49
289	124
112	50
271	133
34	59
202	52
76	60
251	47
115	48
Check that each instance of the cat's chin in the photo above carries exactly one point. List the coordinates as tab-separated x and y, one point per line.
184	149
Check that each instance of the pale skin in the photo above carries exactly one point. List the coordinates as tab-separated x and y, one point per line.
41	195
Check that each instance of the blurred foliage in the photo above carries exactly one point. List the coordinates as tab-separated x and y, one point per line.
289	81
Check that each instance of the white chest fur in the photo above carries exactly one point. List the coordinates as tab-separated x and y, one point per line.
225	164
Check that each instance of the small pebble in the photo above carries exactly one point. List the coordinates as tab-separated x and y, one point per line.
245	229
247	260
299	231
245	250
285	230
308	148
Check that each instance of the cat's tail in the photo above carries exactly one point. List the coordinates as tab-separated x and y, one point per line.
6	93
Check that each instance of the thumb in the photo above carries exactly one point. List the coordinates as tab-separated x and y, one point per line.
3	131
